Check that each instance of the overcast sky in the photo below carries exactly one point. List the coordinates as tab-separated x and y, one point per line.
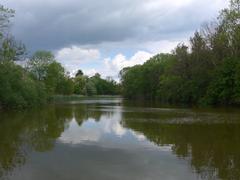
107	35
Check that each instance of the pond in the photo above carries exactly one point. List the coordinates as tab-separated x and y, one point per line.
108	139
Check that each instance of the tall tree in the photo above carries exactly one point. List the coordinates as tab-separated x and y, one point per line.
79	73
10	49
39	62
5	16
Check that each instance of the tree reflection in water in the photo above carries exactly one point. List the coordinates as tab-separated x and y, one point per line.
35	130
209	141
213	149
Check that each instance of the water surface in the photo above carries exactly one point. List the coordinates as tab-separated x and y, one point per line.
107	138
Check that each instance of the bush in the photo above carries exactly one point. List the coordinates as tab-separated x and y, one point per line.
17	88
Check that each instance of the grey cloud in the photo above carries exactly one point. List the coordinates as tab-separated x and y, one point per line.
58	23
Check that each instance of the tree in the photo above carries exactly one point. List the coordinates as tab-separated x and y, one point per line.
183	67
46	69
204	72
80	85
224	87
90	88
79	73
65	86
143	81
38	64
10	49
18	89
55	74
230	25
5	16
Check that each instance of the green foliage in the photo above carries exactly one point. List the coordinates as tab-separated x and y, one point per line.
170	88
132	80
39	63
54	76
80	85
46	69
18	89
43	76
224	89
65	86
90	88
5	15
104	86
143	81
10	49
94	85
79	73
206	72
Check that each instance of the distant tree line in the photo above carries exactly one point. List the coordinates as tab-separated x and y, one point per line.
205	72
95	85
42	77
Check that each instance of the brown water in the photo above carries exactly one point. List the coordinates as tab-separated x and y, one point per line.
109	139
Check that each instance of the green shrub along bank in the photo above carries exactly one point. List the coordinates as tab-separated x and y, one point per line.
42	77
205	72
18	89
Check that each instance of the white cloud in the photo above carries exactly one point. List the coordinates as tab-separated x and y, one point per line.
77	54
76	135
114	65
90	72
73	57
92	131
164	46
88	60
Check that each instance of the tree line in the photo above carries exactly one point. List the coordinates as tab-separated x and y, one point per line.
42	77
205	72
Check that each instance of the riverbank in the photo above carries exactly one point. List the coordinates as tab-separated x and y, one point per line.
57	98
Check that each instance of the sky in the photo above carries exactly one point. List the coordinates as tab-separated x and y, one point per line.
107	35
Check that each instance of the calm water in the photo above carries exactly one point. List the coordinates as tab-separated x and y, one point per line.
109	139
